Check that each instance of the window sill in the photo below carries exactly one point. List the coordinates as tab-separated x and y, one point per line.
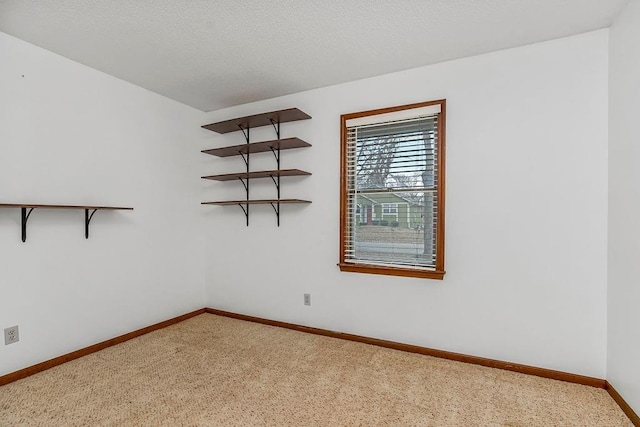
391	271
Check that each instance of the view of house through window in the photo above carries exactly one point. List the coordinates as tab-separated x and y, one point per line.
392	191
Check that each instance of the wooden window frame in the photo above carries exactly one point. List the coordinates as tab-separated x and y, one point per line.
439	271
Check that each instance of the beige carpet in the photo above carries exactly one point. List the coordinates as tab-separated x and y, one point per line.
216	371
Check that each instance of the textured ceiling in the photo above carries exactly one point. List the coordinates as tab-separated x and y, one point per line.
219	53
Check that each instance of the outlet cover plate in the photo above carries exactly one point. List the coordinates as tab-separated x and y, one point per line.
11	335
307	299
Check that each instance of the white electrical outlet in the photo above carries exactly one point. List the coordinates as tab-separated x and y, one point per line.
11	335
307	299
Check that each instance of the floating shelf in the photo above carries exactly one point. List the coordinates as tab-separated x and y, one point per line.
257	174
258	147
257	120
87	216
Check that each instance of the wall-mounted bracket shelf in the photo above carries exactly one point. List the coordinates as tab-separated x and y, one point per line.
27	209
255	202
258	120
257	174
258	147
245	124
244	204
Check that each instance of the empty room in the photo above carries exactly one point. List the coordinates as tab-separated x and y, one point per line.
308	213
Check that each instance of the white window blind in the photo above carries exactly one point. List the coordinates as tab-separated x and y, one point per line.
391	160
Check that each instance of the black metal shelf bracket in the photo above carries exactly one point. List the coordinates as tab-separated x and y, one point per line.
245	133
276	154
244	182
276	127
87	221
25	218
275	182
246	211
26	214
277	211
246	158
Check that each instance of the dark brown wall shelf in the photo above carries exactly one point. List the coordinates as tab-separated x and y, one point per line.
30	207
258	120
34	206
245	124
257	174
258	147
255	202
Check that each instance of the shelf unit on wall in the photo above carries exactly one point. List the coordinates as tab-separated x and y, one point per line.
27	209
245	124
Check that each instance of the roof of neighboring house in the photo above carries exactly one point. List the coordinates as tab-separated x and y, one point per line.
368	198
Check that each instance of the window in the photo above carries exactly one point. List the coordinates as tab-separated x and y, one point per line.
392	191
389	208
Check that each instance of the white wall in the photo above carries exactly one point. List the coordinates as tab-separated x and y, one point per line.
72	135
526	219
623	368
526	210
